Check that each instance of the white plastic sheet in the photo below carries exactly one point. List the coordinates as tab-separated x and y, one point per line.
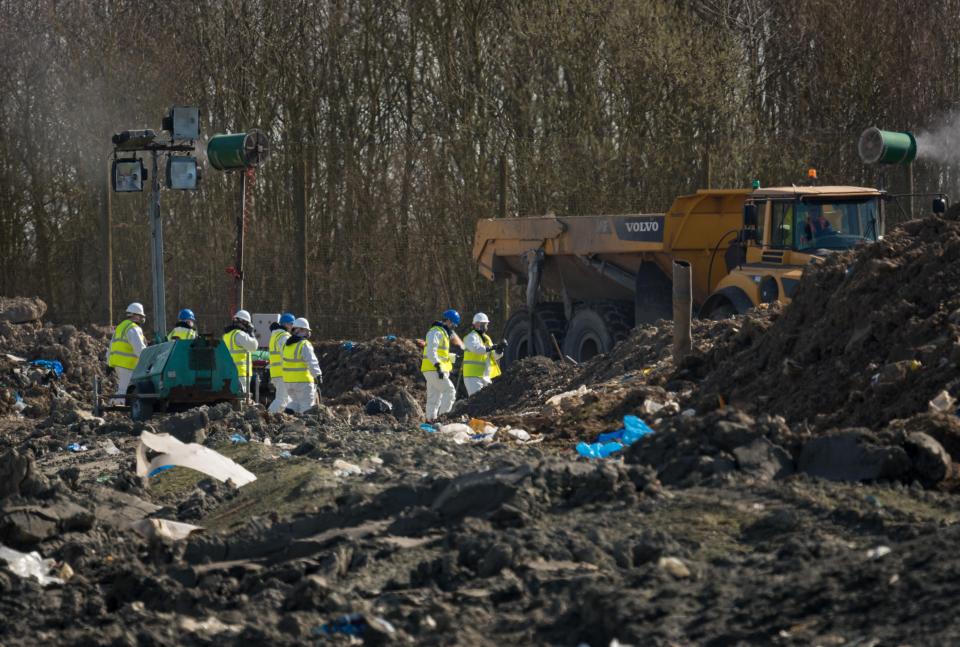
196	457
29	565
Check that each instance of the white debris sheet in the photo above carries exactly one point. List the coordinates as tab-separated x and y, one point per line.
196	457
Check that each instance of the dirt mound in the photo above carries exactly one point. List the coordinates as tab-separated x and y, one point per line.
27	353
870	336
21	309
354	373
523	385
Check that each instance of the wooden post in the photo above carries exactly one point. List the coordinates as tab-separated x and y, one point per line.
682	310
300	207
505	297
106	207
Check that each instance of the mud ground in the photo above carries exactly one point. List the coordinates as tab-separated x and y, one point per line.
798	489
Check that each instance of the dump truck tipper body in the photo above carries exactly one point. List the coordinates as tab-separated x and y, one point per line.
607	272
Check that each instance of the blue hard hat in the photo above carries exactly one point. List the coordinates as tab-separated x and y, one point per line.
186	315
452	315
287	318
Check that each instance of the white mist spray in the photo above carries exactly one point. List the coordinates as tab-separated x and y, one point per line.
941	143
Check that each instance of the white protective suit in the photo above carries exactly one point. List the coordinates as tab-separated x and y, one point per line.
249	343
441	392
303	395
138	342
473	343
281	399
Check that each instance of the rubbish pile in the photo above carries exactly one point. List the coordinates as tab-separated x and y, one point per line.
42	364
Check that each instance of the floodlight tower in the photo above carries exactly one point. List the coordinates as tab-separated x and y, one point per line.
183	174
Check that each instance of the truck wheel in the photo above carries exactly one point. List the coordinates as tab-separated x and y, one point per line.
550	320
141	409
721	312
597	329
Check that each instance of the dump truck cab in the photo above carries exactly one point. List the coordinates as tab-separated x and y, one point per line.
785	228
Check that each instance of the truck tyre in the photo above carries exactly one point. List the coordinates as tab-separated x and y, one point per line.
549	320
597	329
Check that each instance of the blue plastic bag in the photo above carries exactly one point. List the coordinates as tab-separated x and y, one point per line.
162	468
635	429
611	442
426	426
50	365
237	439
598	450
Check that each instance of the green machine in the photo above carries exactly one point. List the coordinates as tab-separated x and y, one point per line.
177	375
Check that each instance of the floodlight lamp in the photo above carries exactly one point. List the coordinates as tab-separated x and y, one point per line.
182	173
128	175
183	123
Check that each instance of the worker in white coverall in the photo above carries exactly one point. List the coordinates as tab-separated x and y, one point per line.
480	356
301	370
437	364
239	340
279	334
125	348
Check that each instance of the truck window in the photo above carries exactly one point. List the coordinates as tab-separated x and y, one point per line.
781	224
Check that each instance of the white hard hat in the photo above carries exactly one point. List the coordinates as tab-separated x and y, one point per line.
481	318
301	323
135	308
243	315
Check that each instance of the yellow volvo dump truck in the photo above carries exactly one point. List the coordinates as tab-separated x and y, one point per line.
591	278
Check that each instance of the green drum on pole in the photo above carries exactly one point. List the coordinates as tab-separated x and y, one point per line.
233	151
887	147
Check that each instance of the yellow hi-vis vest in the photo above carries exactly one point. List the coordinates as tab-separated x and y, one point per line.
475	364
241	357
121	351
443	352
278	338
294	368
182	333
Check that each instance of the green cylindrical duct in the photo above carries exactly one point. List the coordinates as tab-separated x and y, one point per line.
887	147
238	150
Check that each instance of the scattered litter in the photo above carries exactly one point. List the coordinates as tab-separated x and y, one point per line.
429	428
349	345
519	434
210	626
164	529
104	478
77	447
674	566
15	359
49	364
192	455
354	624
612	442
65	572
688	413
29	565
565	400
943	403
109	447
390	337
462	434
878	552
455	428
237	439
19	405
378	406
343	468
651	407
